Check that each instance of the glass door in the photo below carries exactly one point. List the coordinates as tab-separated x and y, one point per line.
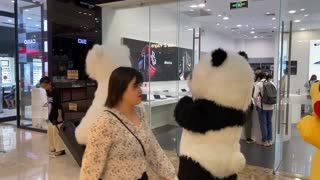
297	62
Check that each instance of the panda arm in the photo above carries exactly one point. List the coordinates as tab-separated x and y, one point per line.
191	114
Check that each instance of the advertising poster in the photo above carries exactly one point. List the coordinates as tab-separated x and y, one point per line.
314	60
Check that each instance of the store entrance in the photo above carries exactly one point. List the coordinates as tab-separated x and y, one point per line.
8	112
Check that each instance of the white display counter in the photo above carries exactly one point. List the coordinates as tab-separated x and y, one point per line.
39	110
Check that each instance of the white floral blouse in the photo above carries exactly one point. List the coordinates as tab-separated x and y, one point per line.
113	153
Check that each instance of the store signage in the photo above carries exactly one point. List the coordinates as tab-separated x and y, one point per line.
82	41
73	74
239	5
73	107
29	41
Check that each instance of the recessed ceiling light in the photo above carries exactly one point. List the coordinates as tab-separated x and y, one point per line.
194	6
270	24
190	29
84	13
267	13
218	24
226	18
90	14
226	27
9	20
239	25
302	9
191	10
208	9
274	27
292	11
37	25
96	31
261	36
232	30
29	18
12	1
252	28
297	20
186	26
302	29
26	10
79	12
247	25
255	37
274	18
202	5
219	15
252	32
306	15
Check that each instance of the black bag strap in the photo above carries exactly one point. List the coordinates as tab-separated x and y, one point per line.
144	151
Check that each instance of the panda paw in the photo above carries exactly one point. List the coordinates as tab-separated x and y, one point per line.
183	110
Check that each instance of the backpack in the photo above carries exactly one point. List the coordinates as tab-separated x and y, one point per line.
269	93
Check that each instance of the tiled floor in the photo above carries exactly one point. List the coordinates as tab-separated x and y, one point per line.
23	156
8	113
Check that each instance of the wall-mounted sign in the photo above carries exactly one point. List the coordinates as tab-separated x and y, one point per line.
73	107
239	5
29	41
82	41
73	74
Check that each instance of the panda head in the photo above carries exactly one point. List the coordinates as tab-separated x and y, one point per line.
225	78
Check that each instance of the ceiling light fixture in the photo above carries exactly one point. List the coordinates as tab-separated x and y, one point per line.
208	9
302	9
202	5
255	37
26	10
191	10
12	1
218	24
29	18
37	25
186	26
274	27
302	29
252	32
274	18
226	27
297	20
306	15
252	28
247	25
9	20
84	13
267	13
292	11
194	6
79	12
226	18
190	29
239	25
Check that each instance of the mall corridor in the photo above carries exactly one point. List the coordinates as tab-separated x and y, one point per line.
24	156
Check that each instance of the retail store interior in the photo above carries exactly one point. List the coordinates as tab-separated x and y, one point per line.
278	36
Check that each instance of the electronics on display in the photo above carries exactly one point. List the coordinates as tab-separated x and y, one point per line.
314	62
159	62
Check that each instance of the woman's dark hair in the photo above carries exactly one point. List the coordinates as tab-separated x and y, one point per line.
261	75
269	76
313	77
45	79
118	83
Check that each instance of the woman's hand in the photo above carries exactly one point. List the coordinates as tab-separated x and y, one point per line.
59	119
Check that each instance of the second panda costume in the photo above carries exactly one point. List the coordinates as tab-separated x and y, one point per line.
212	120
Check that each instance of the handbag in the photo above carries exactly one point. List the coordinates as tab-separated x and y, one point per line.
144	151
309	129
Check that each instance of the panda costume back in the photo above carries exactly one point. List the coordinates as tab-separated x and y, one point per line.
212	120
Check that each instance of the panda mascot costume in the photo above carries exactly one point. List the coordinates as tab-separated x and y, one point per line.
100	62
221	86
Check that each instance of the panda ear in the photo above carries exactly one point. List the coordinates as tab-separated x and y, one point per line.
218	57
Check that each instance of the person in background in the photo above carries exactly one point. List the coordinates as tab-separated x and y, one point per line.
265	111
309	83
120	143
248	123
10	98
56	145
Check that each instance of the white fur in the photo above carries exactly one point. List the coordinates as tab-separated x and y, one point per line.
229	84
101	61
217	151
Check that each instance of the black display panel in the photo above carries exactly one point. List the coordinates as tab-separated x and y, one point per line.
159	62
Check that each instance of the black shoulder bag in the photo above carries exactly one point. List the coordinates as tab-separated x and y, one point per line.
144	151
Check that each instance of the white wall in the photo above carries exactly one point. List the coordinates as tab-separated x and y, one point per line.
258	48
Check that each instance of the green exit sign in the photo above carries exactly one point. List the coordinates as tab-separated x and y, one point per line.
239	5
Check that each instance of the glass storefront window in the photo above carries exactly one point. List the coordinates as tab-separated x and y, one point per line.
32	38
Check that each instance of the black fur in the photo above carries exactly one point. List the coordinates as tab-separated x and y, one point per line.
218	57
202	115
191	170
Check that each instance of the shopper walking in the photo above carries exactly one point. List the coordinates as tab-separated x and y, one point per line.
56	145
264	109
309	83
121	144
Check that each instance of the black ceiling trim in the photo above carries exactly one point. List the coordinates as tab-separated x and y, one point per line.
7	14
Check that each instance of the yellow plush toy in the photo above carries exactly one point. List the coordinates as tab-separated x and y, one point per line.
309	128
